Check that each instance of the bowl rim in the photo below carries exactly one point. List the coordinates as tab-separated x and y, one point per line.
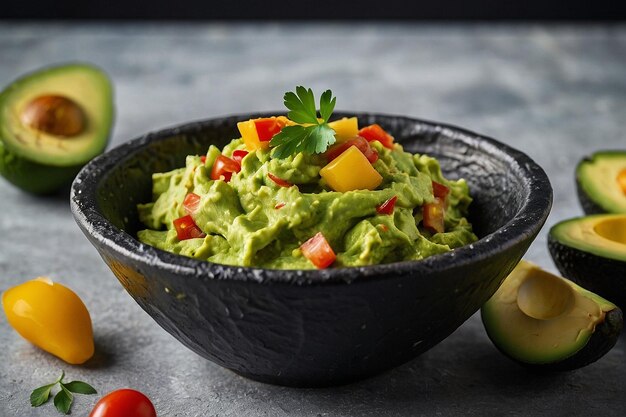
528	220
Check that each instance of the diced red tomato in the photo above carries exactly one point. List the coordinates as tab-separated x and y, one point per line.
279	181
433	214
361	144
186	228
388	206
203	159
383	227
375	132
280	205
238	155
318	251
224	167
266	128
191	203
440	190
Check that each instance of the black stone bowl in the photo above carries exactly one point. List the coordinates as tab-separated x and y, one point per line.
314	328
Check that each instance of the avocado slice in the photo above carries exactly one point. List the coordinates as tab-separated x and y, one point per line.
601	182
591	251
52	122
546	322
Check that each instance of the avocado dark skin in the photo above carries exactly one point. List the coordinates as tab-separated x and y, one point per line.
598	274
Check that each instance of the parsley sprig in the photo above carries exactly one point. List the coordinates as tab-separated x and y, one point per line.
313	135
64	398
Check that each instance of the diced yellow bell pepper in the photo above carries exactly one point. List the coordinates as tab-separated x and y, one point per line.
250	136
345	128
351	171
284	120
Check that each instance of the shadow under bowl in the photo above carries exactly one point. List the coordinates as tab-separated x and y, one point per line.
320	327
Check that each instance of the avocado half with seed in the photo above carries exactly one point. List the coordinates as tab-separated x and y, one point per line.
52	122
601	182
549	323
591	251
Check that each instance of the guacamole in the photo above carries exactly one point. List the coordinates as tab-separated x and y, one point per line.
265	211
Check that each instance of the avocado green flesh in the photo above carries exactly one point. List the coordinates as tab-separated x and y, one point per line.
33	177
84	84
548	340
244	227
602	235
597	179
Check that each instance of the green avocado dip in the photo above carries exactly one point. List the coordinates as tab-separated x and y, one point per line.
300	192
252	221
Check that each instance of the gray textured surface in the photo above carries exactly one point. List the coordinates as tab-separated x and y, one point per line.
556	93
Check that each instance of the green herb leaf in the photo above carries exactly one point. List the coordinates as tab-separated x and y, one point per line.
63	401
40	395
80	387
314	138
64	398
327	105
302	105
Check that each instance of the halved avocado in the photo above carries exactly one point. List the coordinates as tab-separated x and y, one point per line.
52	122
601	182
546	322
591	251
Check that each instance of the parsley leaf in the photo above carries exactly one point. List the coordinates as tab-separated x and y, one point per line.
80	387
63	401
64	398
312	135
40	395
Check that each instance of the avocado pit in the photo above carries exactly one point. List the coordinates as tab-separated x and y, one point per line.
55	115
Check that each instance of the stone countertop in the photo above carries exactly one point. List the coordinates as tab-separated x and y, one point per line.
555	92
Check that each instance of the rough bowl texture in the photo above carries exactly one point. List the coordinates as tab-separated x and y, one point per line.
314	328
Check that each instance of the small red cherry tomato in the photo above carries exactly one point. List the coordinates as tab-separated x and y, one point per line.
387	206
279	181
238	155
318	251
124	403
360	143
440	190
186	228
224	167
191	203
433	214
375	132
266	128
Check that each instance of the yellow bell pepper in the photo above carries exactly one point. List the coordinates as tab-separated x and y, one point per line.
52	317
250	136
250	131
351	171
345	128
